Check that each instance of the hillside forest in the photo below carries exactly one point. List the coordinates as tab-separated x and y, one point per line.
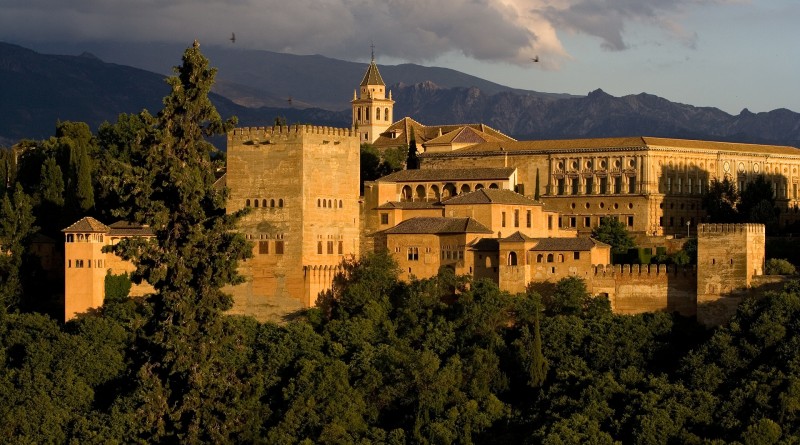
378	360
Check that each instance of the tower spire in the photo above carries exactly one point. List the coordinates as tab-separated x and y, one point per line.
372	47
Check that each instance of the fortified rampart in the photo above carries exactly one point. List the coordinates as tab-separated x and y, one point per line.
636	288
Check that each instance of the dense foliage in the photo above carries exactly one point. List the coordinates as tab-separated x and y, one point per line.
378	360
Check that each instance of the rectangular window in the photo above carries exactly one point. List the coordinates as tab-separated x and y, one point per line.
319	247
661	221
572	222
528	219
516	218
263	247
549	222
618	185
794	191
279	247
69	263
503	219
587	221
576	183
576	255
631	184
604	185
330	247
630	221
561	186
384	218
689	188
413	254
341	247
589	186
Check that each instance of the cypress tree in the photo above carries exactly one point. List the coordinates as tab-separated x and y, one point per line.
538	362
184	390
51	183
16	226
412	163
536	188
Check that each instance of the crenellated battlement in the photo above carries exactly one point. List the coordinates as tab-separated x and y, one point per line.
285	132
641	270
730	228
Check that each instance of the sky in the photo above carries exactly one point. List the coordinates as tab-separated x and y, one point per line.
729	54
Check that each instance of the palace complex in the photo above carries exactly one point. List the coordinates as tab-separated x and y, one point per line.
482	204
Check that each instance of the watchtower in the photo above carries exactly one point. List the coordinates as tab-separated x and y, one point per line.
372	110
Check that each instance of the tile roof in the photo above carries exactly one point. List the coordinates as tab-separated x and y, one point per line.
127	228
372	76
408	129
437	226
618	143
87	224
448	174
491	196
410	205
463	135
517	237
486	245
556	244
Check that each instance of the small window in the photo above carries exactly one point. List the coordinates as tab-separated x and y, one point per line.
330	247
279	247
255	203
280	202
549	257
630	221
503	219
272	203
341	247
324	204
384	218
263	247
413	254
587	221
319	247
576	255
69	263
264	203
340	203
572	222
539	258
528	219
560	257
516	218
512	258
247	203
549	222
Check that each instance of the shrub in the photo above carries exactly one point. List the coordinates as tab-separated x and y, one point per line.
779	266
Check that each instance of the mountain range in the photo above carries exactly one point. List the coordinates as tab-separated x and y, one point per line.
107	79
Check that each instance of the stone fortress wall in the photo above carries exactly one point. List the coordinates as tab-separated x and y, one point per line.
300	187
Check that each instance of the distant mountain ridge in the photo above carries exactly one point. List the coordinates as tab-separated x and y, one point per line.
256	86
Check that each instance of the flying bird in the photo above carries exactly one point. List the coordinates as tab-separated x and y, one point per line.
289	100
535	59
233	38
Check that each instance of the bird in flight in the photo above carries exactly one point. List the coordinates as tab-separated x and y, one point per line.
233	38
535	59
289	100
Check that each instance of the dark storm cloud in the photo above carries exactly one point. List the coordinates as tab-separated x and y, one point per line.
501	30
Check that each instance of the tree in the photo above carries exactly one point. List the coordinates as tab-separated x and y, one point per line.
529	347
757	204
536	187
51	183
412	163
612	232
184	389
777	266
16	226
720	201
569	297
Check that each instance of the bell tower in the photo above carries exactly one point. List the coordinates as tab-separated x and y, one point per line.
372	110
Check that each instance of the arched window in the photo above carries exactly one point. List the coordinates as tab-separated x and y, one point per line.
493	186
549	257
247	203
449	190
70	238
488	261
512	258
272	203
263	203
465	188
358	114
319	247
255	203
340	203
367	116
437	195
377	114
478	186
386	114
560	258
280	202
330	204
406	193
421	195
539	258
324	204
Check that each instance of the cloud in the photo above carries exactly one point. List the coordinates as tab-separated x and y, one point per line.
419	30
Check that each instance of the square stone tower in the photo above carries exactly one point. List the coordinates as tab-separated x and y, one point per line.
301	187
728	257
